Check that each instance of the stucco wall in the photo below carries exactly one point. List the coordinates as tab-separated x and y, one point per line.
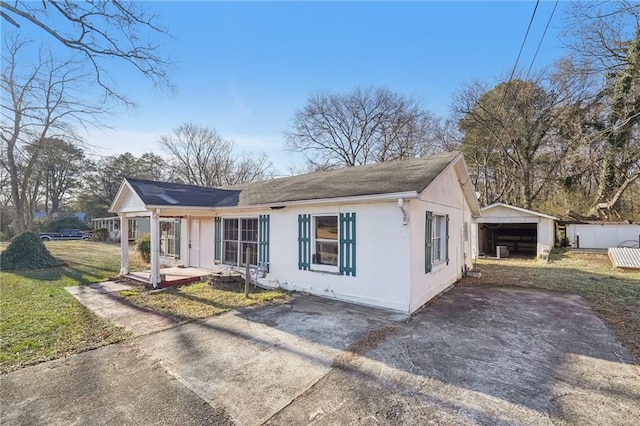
602	236
382	255
444	196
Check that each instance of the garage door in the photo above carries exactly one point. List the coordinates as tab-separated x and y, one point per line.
520	238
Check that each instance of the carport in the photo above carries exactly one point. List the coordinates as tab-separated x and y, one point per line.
524	232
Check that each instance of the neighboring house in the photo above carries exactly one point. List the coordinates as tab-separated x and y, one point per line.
137	226
522	231
601	234
392	235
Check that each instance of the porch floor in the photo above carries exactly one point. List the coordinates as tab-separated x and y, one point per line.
172	276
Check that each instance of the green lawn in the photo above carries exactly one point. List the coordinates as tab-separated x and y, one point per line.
200	300
614	294
40	320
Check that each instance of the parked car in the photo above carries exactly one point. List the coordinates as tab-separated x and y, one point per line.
64	234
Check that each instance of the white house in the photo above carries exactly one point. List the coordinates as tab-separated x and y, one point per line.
521	230
391	235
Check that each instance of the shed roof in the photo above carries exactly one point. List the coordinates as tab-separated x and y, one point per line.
485	209
412	175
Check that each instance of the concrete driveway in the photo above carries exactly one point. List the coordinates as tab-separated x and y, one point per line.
476	356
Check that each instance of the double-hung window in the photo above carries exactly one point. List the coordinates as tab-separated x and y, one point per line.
439	235
436	243
237	235
325	241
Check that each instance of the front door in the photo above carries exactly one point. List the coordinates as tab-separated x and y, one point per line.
194	243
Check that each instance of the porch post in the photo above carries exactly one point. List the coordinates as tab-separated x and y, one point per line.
124	244
185	256
155	248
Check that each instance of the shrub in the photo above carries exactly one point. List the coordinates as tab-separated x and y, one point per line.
143	244
100	234
26	251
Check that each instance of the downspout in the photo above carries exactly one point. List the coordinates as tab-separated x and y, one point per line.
405	215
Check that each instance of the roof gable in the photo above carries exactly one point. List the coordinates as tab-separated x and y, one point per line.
525	212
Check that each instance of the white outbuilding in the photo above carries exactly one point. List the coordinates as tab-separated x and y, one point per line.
602	235
521	231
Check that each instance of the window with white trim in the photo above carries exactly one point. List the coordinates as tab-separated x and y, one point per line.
325	241
237	235
438	254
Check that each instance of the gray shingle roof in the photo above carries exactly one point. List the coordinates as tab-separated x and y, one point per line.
382	178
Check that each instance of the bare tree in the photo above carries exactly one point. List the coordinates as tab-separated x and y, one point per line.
606	43
43	100
363	126
98	32
200	156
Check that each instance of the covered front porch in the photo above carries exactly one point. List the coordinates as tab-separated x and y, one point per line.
181	228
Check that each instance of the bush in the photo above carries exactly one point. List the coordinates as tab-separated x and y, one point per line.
26	251
100	234
143	244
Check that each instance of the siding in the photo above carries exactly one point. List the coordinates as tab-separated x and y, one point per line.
443	197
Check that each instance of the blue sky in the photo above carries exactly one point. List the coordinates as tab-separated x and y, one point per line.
244	68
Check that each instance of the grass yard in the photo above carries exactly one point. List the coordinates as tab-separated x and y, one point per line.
40	320
614	294
200	300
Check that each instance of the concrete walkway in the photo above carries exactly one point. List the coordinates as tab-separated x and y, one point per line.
101	298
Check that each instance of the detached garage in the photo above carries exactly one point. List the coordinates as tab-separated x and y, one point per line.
523	232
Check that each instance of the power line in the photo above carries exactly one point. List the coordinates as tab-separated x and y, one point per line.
533	15
542	38
524	40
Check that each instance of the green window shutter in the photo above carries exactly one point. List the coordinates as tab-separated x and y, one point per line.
263	244
347	248
304	241
217	239
428	241
446	241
